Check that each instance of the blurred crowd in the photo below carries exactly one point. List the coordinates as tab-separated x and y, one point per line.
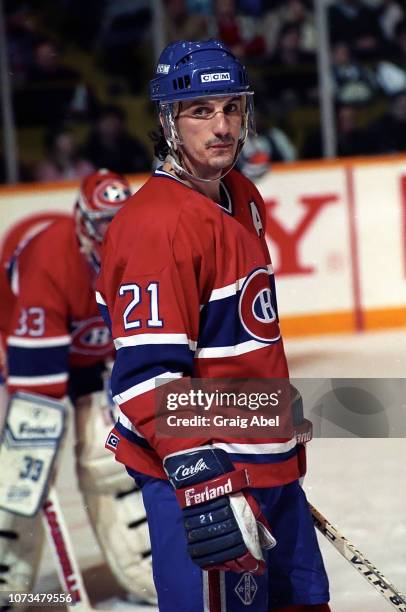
79	75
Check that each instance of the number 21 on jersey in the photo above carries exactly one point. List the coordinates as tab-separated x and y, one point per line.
137	294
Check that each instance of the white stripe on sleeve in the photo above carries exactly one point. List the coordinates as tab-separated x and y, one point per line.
143	339
231	351
144	387
38	342
99	299
32	381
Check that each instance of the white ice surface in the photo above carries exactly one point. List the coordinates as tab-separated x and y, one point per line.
360	485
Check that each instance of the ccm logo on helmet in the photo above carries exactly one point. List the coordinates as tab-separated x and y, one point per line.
215	76
256	307
163	68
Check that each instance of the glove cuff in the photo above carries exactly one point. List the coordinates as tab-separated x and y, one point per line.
228	483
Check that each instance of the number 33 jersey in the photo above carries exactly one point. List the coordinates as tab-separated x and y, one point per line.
54	324
187	288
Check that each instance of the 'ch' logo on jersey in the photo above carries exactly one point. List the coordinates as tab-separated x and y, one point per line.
257	307
91	337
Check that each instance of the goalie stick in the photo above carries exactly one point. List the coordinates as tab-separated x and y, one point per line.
68	570
392	595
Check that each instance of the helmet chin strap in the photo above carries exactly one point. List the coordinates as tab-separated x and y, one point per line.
182	172
174	159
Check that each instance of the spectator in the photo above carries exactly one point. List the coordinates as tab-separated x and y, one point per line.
240	33
292	74
391	78
182	24
48	67
63	160
292	12
269	145
81	21
125	40
390	14
356	24
352	140
352	82
124	22
389	131
391	70
263	149
21	41
396	51
53	91
110	145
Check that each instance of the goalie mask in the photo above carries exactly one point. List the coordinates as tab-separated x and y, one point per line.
189	70
101	196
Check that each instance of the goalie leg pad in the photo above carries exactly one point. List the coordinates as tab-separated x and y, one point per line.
29	445
121	528
114	505
97	470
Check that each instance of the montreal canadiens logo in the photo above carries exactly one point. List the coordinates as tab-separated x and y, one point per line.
110	193
91	337
256	307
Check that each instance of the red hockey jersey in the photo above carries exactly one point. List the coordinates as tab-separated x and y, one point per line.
53	320
180	275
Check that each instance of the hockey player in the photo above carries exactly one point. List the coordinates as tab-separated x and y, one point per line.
186	285
58	345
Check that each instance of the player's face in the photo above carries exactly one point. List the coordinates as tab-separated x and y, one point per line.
209	129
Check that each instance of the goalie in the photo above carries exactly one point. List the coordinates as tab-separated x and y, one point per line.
57	346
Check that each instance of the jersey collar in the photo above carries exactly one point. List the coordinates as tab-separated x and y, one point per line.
226	203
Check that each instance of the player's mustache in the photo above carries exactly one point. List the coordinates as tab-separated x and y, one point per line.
228	139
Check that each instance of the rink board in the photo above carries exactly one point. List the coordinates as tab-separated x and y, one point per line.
336	231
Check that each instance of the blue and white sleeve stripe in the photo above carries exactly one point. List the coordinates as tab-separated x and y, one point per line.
37	361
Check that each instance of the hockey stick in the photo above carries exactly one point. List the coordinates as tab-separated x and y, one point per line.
392	595
69	574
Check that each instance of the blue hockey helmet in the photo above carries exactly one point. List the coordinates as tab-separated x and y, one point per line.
188	70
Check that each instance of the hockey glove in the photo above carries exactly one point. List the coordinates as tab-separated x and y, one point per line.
225	528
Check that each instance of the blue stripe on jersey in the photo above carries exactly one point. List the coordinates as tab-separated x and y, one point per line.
220	324
24	361
267	458
104	311
131	436
136	364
